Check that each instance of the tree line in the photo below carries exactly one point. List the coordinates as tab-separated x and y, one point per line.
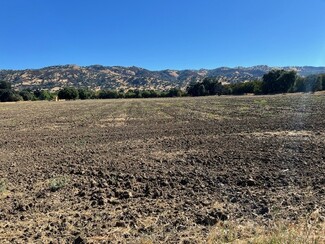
8	94
71	93
274	82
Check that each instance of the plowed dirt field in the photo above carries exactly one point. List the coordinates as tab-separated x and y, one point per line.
159	170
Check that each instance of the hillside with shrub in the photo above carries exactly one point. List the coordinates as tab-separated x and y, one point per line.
116	77
274	82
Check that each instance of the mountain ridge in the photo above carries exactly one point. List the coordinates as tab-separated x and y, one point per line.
120	77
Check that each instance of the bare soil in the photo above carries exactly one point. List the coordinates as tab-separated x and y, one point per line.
162	170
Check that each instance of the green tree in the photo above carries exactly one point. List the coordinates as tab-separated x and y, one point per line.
174	92
278	81
45	95
121	93
322	78
193	89
130	94
5	85
310	83
8	95
138	93
85	93
246	87
299	85
107	94
212	86
146	94
68	93
42	95
27	95
257	87
209	86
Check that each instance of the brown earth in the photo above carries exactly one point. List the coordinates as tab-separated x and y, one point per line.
158	170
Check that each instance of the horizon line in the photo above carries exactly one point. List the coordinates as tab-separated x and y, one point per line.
153	70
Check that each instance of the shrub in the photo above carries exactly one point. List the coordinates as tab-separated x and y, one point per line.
3	185
57	183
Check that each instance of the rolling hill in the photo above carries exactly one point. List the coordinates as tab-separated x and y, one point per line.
117	77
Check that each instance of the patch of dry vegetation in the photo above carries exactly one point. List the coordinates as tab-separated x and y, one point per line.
309	230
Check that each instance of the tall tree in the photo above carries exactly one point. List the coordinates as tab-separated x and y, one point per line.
278	81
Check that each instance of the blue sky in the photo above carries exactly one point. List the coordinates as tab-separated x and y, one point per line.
162	34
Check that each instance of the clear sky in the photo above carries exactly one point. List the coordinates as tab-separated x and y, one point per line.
162	34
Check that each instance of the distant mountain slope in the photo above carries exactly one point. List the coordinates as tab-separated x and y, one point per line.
116	77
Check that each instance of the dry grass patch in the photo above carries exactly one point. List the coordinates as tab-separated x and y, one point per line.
308	231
